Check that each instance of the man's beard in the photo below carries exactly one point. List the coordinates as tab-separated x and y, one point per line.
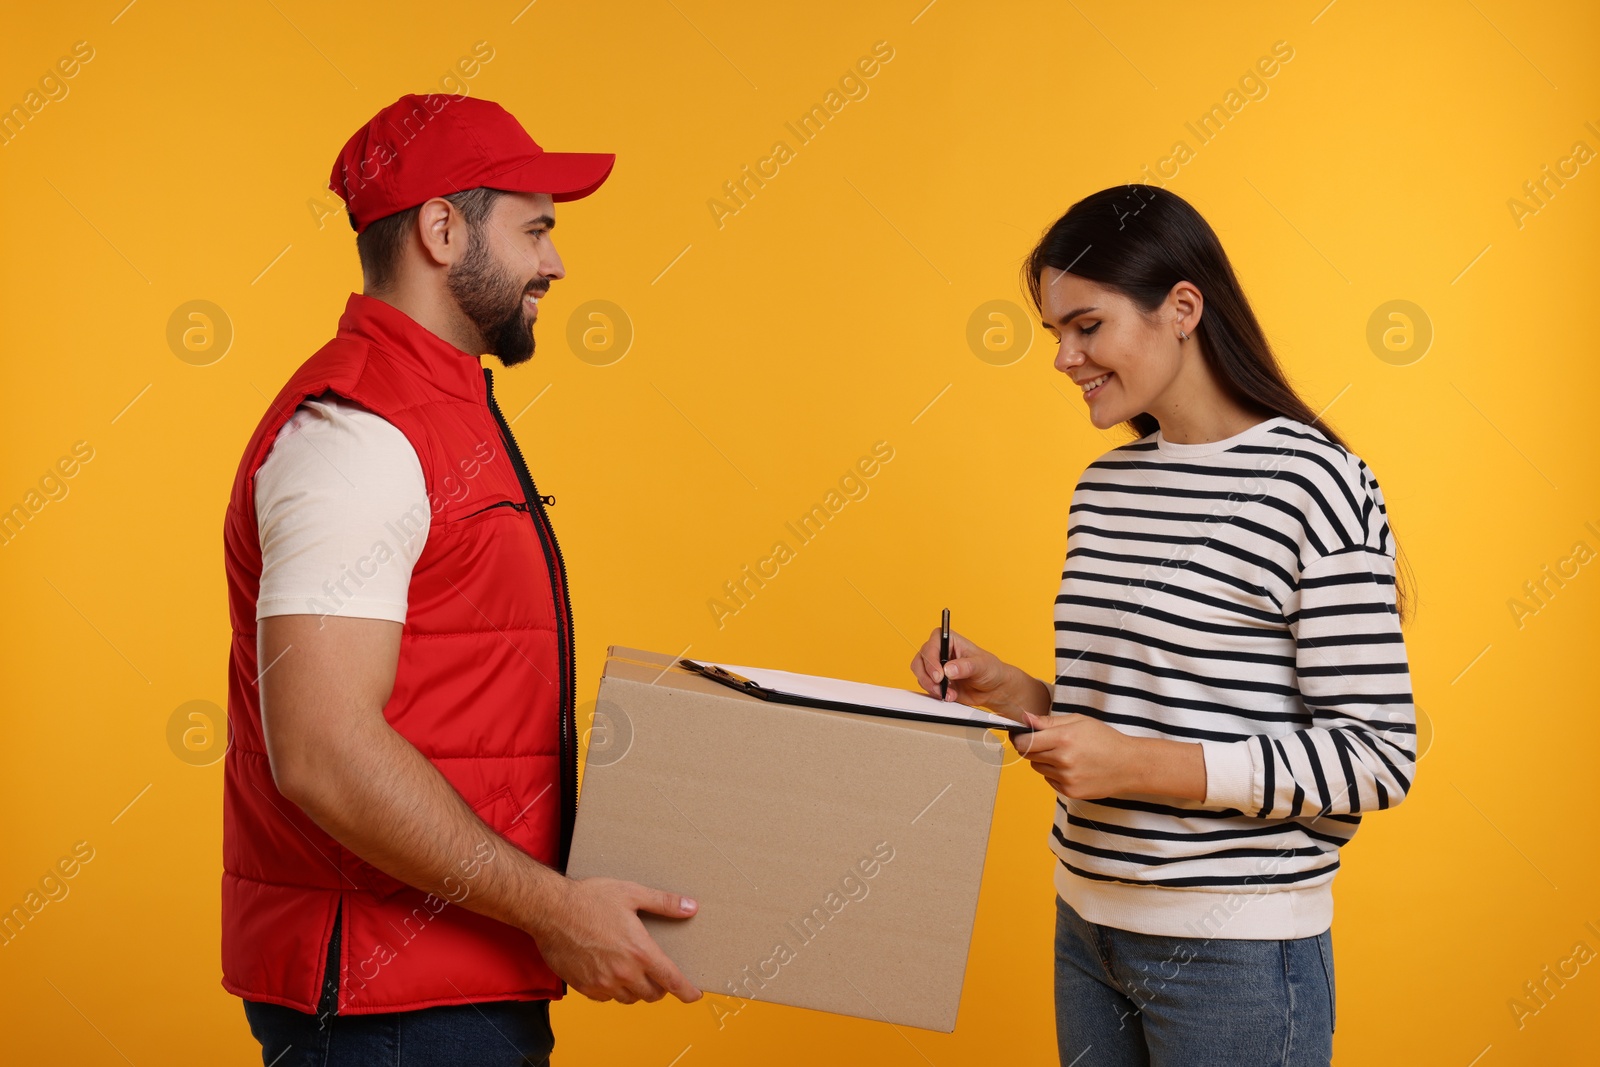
492	299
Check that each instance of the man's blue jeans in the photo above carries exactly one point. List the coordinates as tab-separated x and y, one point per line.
1126	999
502	1033
509	1033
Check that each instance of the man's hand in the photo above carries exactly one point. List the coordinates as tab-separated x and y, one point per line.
596	942
1085	759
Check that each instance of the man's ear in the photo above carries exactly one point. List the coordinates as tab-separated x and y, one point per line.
442	232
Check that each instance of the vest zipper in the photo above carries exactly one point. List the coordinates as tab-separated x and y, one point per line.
513	504
567	684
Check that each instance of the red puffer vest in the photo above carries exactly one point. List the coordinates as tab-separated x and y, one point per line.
484	689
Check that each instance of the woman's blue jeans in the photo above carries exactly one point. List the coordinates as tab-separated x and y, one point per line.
1126	999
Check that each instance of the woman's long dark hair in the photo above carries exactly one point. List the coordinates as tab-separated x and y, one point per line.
1141	240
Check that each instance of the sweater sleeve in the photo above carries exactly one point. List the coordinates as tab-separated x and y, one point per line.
1359	754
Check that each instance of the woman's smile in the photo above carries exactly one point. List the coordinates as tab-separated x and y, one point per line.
1092	387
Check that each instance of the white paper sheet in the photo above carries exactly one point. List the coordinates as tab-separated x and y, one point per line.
815	687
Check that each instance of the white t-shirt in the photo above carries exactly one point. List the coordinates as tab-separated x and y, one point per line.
342	512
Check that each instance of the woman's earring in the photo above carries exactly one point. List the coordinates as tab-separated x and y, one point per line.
1182	336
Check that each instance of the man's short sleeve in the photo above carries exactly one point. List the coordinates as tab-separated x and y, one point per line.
342	512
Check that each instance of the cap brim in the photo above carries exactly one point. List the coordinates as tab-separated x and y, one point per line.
563	175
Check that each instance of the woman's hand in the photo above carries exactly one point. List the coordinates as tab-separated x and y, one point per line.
1085	759
979	679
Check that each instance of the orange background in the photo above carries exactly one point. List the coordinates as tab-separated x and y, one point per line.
186	161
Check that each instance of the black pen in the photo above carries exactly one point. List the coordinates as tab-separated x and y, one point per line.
944	653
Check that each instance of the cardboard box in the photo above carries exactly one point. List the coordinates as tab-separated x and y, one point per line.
835	856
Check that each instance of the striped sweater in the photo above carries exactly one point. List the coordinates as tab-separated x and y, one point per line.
1239	594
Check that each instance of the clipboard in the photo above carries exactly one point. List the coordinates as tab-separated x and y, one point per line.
776	695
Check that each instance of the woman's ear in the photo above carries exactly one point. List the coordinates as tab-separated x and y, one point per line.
1187	307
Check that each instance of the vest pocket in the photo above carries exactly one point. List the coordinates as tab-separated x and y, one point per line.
497	809
374	881
515	505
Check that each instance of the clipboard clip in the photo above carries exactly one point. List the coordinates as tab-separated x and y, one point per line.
739	683
726	677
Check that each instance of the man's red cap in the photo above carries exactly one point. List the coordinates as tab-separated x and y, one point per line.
420	147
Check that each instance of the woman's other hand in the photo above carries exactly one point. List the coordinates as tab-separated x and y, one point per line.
1085	759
